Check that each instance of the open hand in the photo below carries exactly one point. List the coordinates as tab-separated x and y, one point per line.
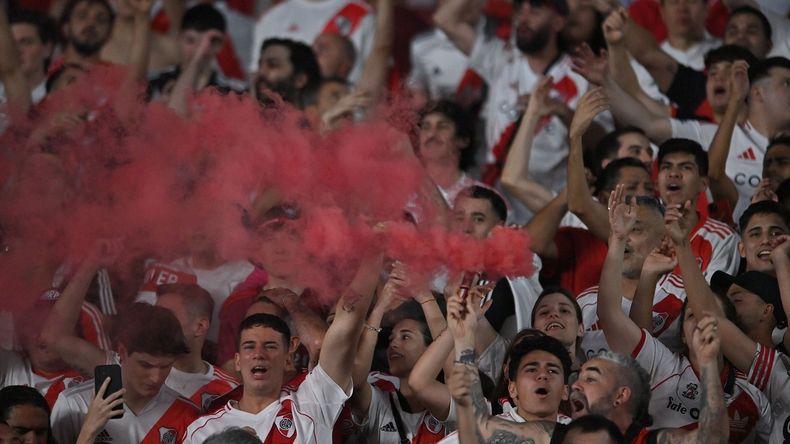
622	215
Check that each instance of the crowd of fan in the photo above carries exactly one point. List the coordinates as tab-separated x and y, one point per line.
646	152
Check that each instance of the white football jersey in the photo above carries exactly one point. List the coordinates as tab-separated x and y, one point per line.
745	160
304	20
163	421
676	394
201	388
15	369
770	372
219	282
694	55
306	415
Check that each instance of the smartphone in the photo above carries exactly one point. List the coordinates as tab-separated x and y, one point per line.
113	371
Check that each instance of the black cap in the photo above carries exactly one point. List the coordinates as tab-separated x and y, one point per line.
763	285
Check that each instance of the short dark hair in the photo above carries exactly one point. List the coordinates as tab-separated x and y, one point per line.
767	31
203	17
45	26
652	203
68	10
150	329
233	435
729	53
762	69
593	423
557	290
763	207
302	59
685	146
16	395
610	175
544	343
607	148
495	199
781	139
196	299
265	320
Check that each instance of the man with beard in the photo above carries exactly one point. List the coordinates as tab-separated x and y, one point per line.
514	71
86	26
610	384
286	68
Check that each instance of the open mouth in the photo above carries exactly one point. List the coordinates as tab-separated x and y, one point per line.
259	371
719	91
542	392
555	326
673	187
395	355
764	254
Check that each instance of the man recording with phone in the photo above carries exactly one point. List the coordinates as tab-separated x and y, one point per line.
149	339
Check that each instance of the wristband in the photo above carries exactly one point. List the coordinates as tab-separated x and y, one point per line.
372	328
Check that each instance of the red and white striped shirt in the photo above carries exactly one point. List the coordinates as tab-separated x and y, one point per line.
770	372
15	369
201	388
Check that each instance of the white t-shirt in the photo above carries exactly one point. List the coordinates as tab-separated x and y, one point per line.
676	394
306	415
163	420
694	56
219	282
439	68
15	369
508	74
745	160
770	372
304	20
201	388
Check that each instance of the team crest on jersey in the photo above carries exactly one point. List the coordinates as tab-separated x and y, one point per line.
659	319
343	25
167	435
691	392
432	424
206	399
285	426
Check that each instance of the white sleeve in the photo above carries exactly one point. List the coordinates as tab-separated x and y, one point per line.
724	257
259	34
66	420
486	55
654	357
766	422
321	397
692	129
9	362
780	34
418	78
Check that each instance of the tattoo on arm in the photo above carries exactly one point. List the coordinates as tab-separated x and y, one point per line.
713	422
466	356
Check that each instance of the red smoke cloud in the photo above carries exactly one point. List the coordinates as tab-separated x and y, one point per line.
142	173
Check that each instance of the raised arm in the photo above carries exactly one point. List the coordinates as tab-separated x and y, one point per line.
140	51
515	173
58	332
621	333
700	296
310	328
472	405
628	110
17	90
713	425
543	226
660	262
422	380
450	19
373	79
580	199
187	82
388	298
342	337
643	47
780	256
722	186
615	29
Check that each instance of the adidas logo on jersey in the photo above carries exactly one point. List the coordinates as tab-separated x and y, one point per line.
747	154
389	427
103	436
